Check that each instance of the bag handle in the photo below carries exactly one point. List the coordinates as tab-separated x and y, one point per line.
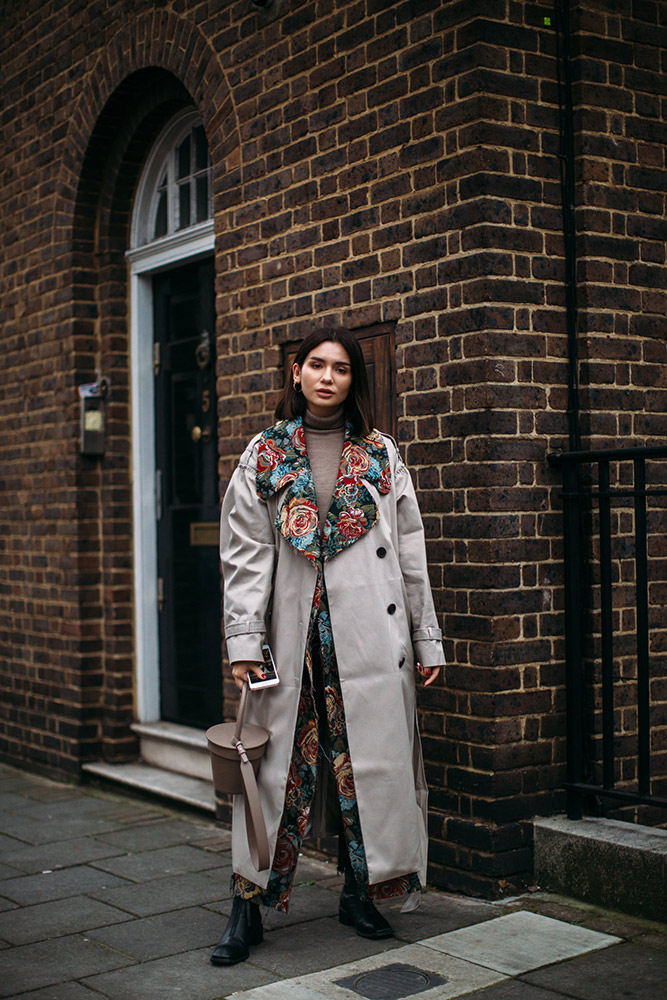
241	713
258	841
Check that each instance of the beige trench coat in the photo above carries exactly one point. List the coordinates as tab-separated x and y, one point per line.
382	618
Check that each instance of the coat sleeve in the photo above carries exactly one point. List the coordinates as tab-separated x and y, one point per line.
247	554
426	633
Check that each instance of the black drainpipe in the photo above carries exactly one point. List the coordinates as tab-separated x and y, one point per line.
566	158
579	755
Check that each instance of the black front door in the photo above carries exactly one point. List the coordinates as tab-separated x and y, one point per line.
187	501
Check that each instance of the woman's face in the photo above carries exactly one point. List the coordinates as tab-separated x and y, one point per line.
325	377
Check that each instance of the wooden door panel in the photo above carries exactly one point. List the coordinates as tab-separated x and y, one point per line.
186	458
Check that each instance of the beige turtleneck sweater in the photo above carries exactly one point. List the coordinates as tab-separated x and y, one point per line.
325	437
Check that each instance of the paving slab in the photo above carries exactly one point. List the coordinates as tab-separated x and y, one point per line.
438	912
11	780
189	976
164	934
161	863
26	828
286	989
9	871
628	971
150	836
66	991
222	874
514	989
161	895
30	889
34	966
519	941
56	918
8	843
311	869
52	791
73	806
32	858
461	977
6	904
317	944
14	802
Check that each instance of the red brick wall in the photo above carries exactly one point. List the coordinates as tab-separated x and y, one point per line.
374	162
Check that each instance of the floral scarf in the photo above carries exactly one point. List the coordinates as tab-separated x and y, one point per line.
282	461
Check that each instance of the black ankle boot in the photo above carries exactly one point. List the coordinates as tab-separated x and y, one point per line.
361	913
244	928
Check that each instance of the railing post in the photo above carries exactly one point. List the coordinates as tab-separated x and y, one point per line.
606	628
641	577
574	689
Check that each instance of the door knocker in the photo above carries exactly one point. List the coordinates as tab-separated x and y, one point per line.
203	350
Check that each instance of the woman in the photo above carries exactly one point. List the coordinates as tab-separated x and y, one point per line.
323	556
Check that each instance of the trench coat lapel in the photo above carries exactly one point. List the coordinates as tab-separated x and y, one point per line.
282	463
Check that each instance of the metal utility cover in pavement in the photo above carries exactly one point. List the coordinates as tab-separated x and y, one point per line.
391	982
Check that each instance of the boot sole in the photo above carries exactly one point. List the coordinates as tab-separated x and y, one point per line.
257	938
345	919
229	961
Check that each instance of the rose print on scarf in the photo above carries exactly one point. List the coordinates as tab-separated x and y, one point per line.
298	519
344	779
298	438
282	461
354	461
269	456
351	523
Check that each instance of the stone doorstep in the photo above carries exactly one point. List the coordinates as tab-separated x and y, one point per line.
617	865
181	749
157	781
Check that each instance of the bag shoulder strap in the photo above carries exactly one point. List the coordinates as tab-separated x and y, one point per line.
258	842
254	818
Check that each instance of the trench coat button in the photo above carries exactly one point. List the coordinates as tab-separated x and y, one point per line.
401	662
391	609
381	552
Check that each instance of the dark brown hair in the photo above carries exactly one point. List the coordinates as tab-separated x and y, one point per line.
358	406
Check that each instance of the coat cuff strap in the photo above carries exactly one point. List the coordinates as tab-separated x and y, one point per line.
242	628
432	632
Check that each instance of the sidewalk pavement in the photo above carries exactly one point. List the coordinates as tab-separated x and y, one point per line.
105	896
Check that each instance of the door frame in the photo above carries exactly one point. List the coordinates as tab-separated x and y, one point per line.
162	255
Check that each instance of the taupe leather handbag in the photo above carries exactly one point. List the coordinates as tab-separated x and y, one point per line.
236	753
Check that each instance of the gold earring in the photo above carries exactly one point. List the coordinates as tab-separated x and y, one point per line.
297	386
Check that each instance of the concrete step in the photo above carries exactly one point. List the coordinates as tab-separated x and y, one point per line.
613	864
181	749
174	765
157	781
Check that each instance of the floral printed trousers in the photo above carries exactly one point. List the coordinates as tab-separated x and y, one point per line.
314	736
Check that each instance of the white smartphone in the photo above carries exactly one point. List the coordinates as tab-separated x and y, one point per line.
269	664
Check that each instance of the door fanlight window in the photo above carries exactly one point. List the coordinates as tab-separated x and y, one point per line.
174	193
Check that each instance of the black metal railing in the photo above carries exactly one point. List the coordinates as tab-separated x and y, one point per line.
602	490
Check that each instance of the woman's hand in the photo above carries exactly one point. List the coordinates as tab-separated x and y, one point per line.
428	673
242	668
